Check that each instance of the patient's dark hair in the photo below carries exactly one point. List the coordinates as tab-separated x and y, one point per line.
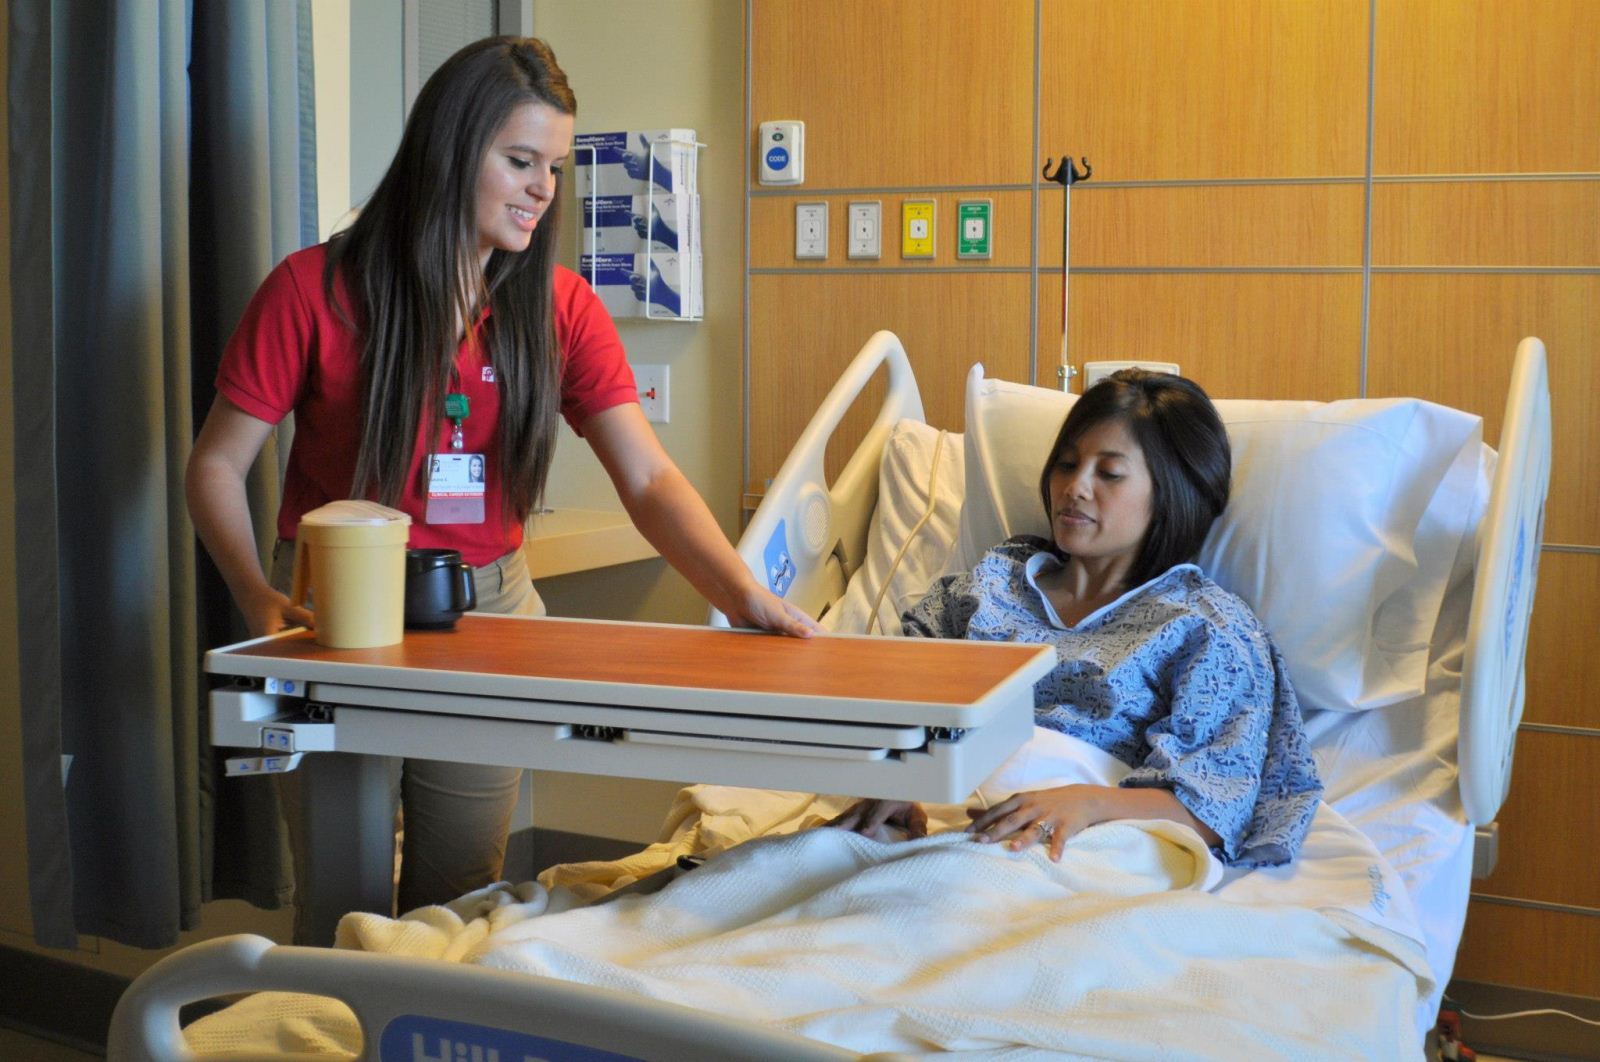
1185	446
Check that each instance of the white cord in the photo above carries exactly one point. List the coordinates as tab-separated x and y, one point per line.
1523	1014
933	479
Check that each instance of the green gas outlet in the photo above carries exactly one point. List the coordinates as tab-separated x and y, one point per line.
975	228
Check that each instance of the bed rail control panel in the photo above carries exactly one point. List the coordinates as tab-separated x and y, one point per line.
903	718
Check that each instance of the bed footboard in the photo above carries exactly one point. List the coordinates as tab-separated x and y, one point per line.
396	999
808	536
1492	684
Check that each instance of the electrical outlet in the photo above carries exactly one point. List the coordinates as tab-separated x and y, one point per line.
866	229
811	230
652	381
916	228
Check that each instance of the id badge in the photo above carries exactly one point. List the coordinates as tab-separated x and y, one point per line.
455	489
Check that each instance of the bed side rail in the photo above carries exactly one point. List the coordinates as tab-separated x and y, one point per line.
808	536
1492	680
396	1000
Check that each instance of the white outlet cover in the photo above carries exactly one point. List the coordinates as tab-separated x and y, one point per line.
866	229
811	230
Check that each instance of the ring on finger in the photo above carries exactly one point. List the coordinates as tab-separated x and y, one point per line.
1046	831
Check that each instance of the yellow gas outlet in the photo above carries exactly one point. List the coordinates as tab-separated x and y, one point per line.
916	228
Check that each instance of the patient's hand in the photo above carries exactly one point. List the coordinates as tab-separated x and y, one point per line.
1050	816
878	819
1047	816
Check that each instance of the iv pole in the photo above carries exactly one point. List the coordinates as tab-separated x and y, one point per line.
1066	176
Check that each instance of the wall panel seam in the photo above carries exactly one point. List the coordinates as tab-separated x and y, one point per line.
1537	905
1033	198
779	271
744	325
1269	269
1366	224
1487	270
811	191
1492	269
1560	728
1187	182
1486	178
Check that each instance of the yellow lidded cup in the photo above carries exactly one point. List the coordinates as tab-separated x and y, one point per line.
351	556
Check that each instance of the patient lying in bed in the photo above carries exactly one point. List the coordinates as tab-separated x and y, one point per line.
1159	665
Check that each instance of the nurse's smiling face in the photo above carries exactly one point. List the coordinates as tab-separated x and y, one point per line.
1101	494
517	181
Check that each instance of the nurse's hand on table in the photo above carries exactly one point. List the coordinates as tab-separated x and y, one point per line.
879	819
267	611
756	606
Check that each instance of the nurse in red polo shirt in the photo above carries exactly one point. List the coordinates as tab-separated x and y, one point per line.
439	325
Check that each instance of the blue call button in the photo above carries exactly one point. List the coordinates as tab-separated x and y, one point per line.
777	158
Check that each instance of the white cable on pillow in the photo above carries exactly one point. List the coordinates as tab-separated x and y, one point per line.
933	479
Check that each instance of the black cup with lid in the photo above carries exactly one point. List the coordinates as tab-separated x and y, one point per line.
439	589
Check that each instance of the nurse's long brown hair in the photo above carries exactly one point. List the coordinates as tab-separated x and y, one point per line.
410	266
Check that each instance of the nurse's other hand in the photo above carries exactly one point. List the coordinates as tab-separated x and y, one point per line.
269	611
876	819
759	607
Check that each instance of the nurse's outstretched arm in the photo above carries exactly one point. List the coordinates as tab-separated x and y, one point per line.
227	446
670	513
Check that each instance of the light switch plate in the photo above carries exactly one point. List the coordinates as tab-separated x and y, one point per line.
811	230
653	381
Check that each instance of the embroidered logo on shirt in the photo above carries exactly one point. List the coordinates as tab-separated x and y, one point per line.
488	374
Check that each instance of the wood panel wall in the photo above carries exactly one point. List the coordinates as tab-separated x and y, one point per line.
1291	199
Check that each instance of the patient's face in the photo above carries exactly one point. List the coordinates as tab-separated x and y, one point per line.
1101	494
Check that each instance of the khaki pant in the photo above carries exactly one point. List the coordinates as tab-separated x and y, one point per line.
456	816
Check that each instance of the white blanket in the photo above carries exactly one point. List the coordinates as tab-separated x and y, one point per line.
1118	951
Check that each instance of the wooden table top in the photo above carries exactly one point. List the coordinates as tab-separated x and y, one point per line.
697	658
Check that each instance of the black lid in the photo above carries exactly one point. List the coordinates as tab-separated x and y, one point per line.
425	560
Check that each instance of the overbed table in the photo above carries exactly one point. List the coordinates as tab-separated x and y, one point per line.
878	717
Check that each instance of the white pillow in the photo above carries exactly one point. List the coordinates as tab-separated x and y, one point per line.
1344	522
913	529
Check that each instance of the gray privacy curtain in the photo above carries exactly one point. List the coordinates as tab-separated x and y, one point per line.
161	163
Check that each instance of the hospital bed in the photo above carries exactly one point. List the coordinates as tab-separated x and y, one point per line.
1391	554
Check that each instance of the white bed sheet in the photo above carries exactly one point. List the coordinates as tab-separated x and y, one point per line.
1137	945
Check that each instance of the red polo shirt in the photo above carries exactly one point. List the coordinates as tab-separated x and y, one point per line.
292	353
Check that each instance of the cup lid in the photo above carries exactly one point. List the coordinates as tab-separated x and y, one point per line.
354	512
424	560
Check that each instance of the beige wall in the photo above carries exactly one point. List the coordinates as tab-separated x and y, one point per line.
638	64
330	32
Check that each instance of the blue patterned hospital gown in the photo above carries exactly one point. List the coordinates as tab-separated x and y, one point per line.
1177	678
